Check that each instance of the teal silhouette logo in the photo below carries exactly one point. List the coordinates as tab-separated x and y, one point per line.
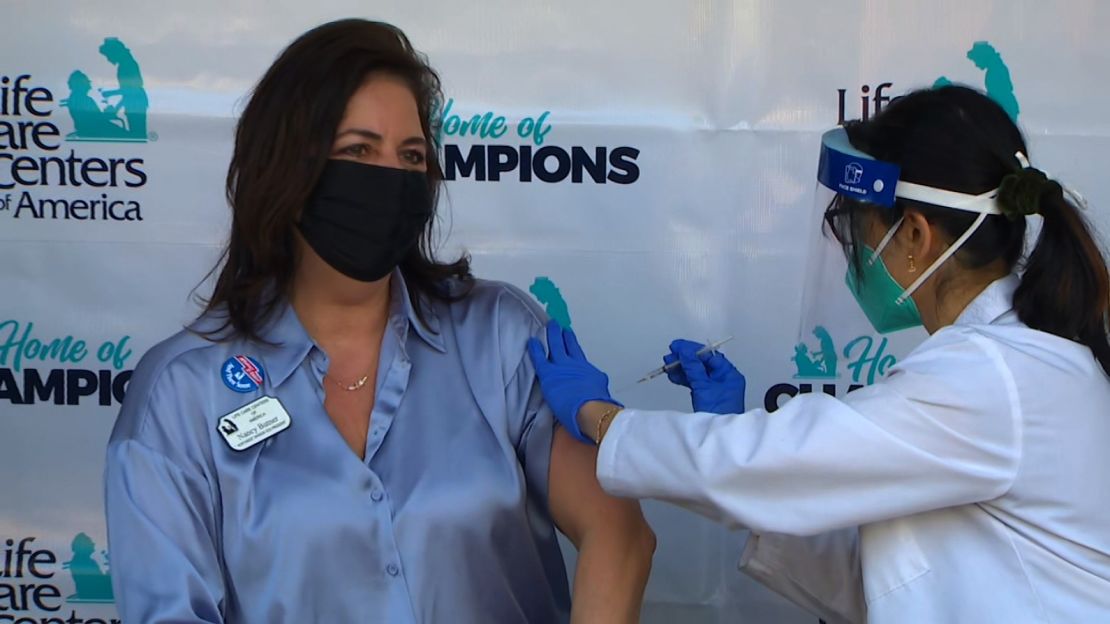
998	83
546	292
93	584
865	359
821	364
999	87
120	116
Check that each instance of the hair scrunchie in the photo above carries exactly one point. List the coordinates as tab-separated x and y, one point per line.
1021	193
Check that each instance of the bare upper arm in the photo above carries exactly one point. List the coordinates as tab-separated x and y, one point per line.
575	498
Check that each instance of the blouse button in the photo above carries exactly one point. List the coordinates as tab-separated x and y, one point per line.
392	569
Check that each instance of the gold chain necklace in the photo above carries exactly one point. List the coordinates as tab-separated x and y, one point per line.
349	388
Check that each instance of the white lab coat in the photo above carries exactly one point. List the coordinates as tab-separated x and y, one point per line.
971	485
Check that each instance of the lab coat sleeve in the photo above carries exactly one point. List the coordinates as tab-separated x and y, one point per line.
942	430
821	573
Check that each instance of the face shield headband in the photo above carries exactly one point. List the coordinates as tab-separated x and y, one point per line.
847	171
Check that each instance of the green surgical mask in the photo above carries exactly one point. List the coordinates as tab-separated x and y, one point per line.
878	293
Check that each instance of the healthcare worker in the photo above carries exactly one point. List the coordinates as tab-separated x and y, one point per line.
972	483
352	431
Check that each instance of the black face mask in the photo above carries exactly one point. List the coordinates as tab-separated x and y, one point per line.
363	219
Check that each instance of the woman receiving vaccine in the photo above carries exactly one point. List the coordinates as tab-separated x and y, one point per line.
352	431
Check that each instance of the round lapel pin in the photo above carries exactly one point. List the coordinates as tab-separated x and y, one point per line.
242	373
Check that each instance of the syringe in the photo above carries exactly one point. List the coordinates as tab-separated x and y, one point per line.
709	348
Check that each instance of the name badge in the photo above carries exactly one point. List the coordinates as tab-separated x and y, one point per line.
253	423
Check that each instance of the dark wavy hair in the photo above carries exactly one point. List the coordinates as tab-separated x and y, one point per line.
282	143
959	139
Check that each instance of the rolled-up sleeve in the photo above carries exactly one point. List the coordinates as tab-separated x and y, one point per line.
518	319
534	446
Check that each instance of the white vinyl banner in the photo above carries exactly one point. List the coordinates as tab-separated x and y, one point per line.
645	169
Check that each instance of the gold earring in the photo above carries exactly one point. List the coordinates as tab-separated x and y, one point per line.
913	267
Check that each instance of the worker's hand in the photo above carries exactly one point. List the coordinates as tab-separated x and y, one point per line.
715	384
567	378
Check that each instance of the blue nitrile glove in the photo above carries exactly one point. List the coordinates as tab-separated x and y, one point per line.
567	379
715	384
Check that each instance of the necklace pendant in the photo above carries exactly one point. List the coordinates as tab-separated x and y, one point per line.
358	384
351	388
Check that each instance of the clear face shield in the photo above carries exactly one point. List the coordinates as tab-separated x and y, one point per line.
856	319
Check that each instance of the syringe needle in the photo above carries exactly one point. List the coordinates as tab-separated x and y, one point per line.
709	348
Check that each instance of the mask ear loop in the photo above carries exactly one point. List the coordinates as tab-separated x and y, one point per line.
952	249
984	204
889	236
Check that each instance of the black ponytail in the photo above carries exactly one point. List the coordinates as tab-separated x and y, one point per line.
958	139
1065	289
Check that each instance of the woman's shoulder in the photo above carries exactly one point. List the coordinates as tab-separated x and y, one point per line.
1008	347
181	349
493	322
954	356
501	305
171	372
